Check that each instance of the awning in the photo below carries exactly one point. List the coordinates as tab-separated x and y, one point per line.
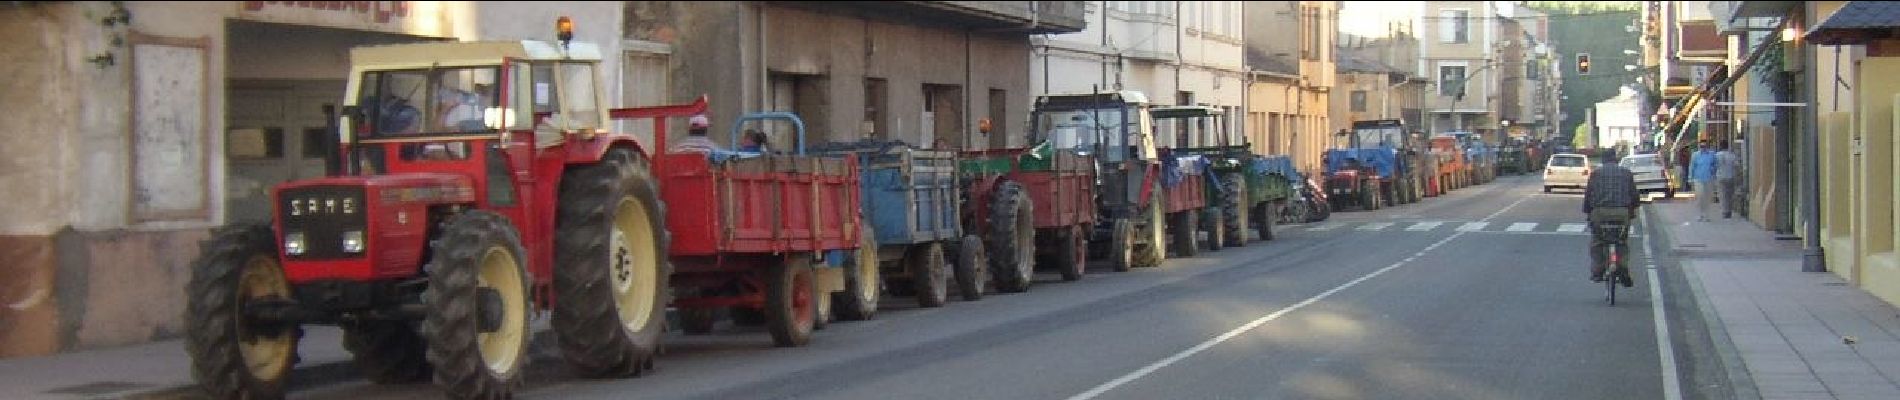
1858	22
1694	103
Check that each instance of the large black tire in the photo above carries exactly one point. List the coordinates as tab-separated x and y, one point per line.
788	317
1265	219
929	277
1234	210
1121	245
1186	225
862	281
972	268
477	250
1155	232
214	327
698	320
387	352
1215	223
610	267
1012	238
1072	252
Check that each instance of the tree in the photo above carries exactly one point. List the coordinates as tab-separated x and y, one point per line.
1580	139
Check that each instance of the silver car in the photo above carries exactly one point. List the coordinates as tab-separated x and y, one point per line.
1566	170
1650	174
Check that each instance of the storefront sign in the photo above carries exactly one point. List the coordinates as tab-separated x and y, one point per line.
404	17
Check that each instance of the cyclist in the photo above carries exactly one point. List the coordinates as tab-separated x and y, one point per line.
1610	197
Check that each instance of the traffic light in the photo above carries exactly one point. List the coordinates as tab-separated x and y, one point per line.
1583	63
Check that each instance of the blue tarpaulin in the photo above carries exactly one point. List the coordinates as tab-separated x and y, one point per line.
1383	160
1173	168
1282	165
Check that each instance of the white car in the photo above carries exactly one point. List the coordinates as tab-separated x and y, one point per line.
1566	170
1650	174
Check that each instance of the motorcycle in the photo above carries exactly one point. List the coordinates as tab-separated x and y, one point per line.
1310	206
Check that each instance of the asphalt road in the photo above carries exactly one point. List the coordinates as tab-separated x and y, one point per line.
1367	305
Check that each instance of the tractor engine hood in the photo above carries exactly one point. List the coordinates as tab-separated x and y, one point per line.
360	227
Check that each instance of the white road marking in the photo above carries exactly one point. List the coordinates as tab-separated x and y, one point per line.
1256	323
1665	347
1328	226
1236	332
1522	227
1375	226
1572	227
1472	226
1424	226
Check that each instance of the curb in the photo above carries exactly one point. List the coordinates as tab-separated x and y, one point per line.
1741	383
305	377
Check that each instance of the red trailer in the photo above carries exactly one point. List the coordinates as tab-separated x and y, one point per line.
1022	200
759	232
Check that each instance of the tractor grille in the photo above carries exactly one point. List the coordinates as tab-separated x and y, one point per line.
323	214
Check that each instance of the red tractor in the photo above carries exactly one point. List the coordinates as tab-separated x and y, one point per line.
475	185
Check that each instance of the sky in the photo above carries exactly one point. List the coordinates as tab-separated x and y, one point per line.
1370	18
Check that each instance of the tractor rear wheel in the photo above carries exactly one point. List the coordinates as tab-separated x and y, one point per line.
386	351
478	307
611	270
1071	258
927	276
1012	238
862	281
1186	225
972	268
788	301
1121	248
230	357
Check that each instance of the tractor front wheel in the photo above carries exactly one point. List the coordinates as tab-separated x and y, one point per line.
1184	229
1013	238
1121	247
1071	258
478	305
972	269
232	357
862	280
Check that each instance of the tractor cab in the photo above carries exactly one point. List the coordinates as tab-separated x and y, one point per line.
1114	126
1183	127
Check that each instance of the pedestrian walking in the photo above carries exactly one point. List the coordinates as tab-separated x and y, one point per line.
1702	166
1728	172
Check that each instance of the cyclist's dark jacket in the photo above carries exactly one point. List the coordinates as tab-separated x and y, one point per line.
1610	186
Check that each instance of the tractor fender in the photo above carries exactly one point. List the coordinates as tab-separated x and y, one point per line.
590	151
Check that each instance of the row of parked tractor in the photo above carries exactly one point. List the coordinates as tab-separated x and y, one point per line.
435	250
1380	163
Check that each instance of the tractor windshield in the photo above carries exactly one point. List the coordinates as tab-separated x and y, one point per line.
1085	130
432	101
1380	137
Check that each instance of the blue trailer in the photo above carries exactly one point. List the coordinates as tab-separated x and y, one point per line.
911	206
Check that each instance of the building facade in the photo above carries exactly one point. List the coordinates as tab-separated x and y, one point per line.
1461	53
1175	52
1290	96
1372	86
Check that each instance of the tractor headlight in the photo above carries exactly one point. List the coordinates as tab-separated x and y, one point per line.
293	243
353	242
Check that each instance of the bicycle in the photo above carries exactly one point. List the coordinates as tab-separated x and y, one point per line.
1614	235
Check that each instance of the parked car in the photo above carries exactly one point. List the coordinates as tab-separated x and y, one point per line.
1650	174
1568	170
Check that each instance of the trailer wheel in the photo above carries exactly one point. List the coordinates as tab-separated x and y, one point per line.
610	267
477	323
1184	229
1072	253
229	357
1234	211
698	320
788	302
972	271
1121	248
862	280
386	351
1013	238
926	265
1155	232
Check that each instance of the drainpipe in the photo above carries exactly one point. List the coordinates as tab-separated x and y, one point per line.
765	78
1813	257
969	91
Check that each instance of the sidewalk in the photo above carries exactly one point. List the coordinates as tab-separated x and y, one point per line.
1797	335
151	370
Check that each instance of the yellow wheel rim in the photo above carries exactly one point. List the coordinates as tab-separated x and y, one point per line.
500	272
265	356
636	268
867	273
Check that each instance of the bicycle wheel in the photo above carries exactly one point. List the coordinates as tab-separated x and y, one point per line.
1610	277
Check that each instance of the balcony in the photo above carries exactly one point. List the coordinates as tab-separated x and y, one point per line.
1026	17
